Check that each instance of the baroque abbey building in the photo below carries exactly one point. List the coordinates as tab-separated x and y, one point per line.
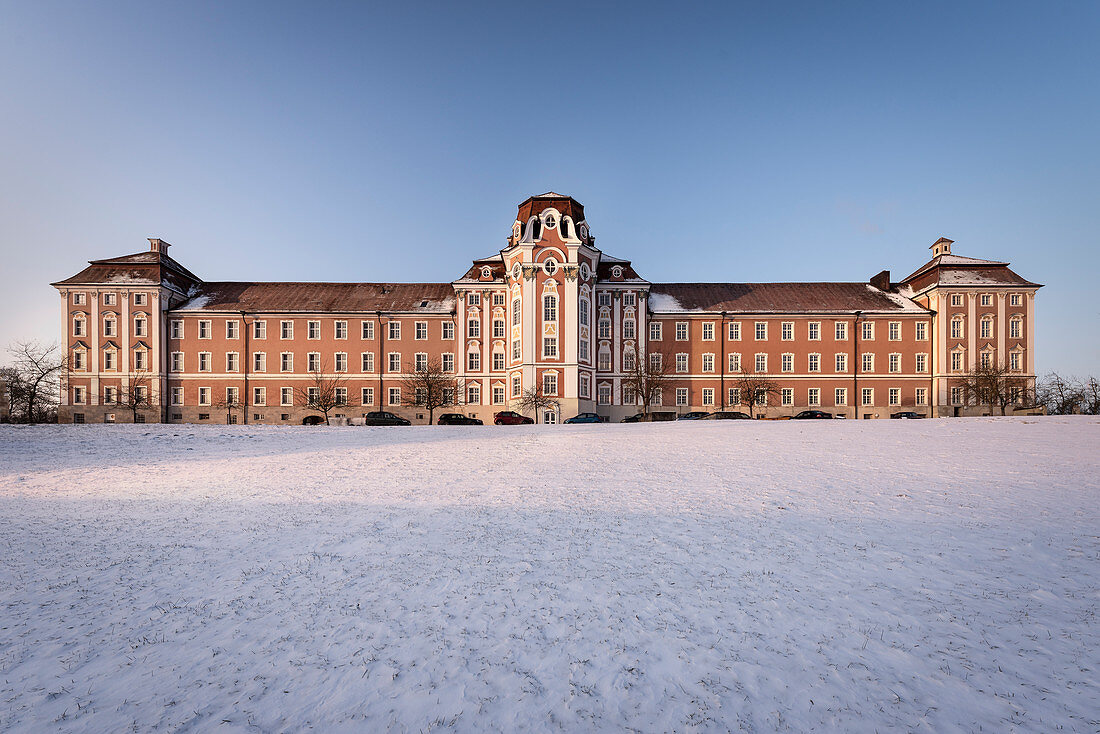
549	310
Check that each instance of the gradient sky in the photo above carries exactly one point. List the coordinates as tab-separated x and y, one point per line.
392	141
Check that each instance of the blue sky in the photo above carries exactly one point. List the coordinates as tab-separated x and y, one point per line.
392	141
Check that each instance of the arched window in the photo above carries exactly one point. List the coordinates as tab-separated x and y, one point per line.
584	312
140	325
109	323
515	312
80	325
549	307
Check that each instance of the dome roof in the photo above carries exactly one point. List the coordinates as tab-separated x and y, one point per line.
566	206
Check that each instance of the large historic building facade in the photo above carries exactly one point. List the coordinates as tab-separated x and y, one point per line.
549	310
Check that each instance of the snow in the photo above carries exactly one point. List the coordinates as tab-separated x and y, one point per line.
937	575
901	299
663	303
196	303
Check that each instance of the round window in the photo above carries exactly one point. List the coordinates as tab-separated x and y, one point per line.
486	273
550	221
550	266
585	272
515	271
616	272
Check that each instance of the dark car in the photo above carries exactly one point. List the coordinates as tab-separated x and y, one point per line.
384	418
907	414
583	418
727	415
457	419
812	415
510	418
694	415
636	418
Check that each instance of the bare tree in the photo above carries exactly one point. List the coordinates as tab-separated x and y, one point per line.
136	395
995	385
9	388
534	399
1090	396
35	388
1059	395
323	392
755	388
430	387
229	403
647	376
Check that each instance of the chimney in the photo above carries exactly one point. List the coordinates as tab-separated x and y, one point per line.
881	281
942	246
158	245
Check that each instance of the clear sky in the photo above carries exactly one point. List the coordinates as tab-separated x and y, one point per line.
392	141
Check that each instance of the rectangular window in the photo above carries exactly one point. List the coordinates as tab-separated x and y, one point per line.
367	329
868	363
78	326
341	330
922	396
814	396
922	331
420	362
1015	299
313	362
840	396
232	362
604	328
139	326
341	396
895	363
895	396
110	395
286	362
286	396
895	331
394	330
986	358
140	299
987	328
259	329
957	328
987	299
787	396
655	331
367	361
473	328
708	396
1014	330
204	361
815	331
395	396
286	329
109	359
815	363
956	396
204	330
140	360
786	331
582	351
473	394
956	361
956	299
681	331
498	328
498	361
517	349
498	299
80	299
628	328
603	394
313	330
448	332
841	362
366	396
734	396
734	330
922	363
550	384
204	396
628	362
341	362
628	299
868	330
584	386
79	396
232	395
177	396
176	362
516	312
841	331
498	395
761	331
604	361
232	329
681	396
549	308
78	360
549	347
681	363
786	363
708	331
734	362
313	395
603	298
708	363
1014	361
517	386
395	361
420	330
176	328
473	361
109	299
761	363
448	362
868	396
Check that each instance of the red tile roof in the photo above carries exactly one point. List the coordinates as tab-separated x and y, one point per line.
322	297
776	298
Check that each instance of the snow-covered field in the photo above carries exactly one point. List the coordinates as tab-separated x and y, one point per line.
938	575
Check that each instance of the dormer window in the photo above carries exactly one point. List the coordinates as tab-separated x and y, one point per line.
486	273
616	272
550	221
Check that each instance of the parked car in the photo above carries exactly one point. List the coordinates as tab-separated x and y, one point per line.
636	418
727	415
510	418
654	416
583	418
384	418
907	414
457	419
694	415
812	415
